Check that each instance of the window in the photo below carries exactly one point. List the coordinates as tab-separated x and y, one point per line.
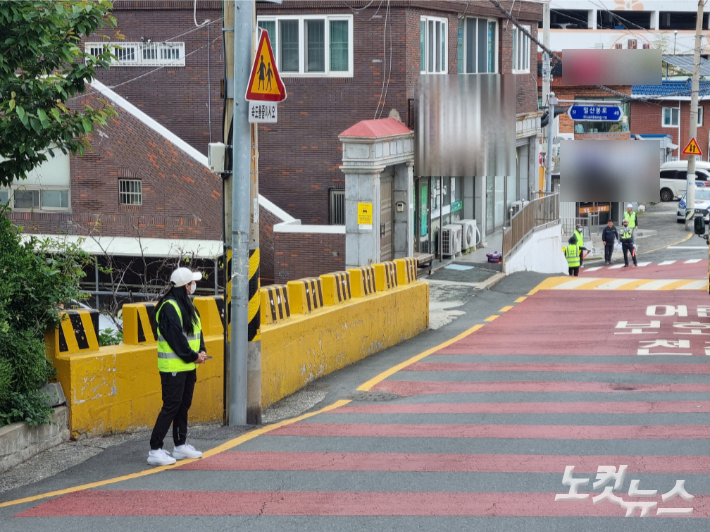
130	192
55	199
311	45
477	46
700	116
671	116
4	197
142	53
30	198
433	40
337	206
521	50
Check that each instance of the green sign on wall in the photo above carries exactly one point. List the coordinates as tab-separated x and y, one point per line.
457	205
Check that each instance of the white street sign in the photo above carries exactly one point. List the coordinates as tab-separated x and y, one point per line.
263	112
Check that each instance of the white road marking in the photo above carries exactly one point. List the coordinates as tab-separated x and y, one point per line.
666	262
570	285
695	285
688	247
616	266
642	264
593	269
692	261
613	285
656	285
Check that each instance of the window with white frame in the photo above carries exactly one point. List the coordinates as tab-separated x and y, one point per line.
478	52
433	45
130	192
142	53
521	50
671	116
25	198
311	45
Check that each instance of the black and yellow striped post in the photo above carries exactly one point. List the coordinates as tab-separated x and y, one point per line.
254	337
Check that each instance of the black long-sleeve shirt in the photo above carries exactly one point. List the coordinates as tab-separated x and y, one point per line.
171	329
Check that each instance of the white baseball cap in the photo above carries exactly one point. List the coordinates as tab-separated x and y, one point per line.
183	276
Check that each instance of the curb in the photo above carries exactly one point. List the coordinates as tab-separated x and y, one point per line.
488	283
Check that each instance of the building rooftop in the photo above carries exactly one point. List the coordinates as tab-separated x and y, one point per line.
372	129
680	89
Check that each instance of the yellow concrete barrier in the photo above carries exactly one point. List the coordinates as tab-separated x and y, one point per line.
406	270
78	332
274	304
336	288
139	325
305	295
117	388
385	276
363	281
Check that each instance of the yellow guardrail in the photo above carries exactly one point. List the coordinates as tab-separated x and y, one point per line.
310	328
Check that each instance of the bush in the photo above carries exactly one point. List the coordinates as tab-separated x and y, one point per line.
38	279
110	337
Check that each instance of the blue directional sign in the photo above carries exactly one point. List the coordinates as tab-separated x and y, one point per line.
596	113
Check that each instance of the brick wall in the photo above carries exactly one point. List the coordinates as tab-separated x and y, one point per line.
602	136
299	255
181	198
177	97
647	118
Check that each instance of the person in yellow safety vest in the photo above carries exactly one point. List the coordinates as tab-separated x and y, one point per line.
181	346
579	234
572	255
632	218
627	243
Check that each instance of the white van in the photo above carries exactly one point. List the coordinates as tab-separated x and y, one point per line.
674	177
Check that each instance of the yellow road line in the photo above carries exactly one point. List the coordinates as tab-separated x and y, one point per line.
491	318
505	309
382	376
634	284
220	448
521	299
678	284
591	284
550	282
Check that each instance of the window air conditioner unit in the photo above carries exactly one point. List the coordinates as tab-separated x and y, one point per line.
468	233
515	208
451	240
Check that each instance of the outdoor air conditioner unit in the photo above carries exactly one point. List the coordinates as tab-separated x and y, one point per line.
515	208
451	240
468	233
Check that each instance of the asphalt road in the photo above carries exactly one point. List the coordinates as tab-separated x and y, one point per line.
510	386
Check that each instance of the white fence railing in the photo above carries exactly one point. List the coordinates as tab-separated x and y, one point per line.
141	53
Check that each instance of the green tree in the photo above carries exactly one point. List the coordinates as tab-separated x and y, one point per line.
37	279
42	65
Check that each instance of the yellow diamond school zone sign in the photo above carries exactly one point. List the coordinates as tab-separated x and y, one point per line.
265	86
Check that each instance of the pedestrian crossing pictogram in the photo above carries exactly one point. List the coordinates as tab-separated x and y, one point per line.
265	83
692	148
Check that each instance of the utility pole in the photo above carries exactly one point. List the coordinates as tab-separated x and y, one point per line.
551	101
240	214
546	79
690	197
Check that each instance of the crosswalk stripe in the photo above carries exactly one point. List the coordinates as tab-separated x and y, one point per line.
616	266
667	262
677	284
692	261
657	284
642	264
571	285
612	285
695	285
593	269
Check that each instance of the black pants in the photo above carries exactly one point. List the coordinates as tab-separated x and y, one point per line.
574	271
581	256
177	398
608	250
628	247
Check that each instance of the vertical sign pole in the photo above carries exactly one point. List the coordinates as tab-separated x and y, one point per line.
254	327
241	184
690	197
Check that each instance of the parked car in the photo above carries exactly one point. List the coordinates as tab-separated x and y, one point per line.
674	176
702	205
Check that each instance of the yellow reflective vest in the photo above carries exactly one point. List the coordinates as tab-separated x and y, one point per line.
572	254
631	217
580	238
168	360
627	233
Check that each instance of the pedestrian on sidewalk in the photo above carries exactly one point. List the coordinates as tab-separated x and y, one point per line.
579	235
632	218
627	243
572	255
181	346
609	237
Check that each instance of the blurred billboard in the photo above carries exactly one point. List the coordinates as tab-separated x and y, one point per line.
611	67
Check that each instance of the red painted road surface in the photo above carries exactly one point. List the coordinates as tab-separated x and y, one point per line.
679	269
560	324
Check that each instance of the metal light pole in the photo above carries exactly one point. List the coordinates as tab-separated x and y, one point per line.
695	87
546	74
551	101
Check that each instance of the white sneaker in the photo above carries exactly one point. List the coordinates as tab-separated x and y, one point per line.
160	457
186	451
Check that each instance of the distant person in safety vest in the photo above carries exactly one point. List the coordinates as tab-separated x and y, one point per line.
579	235
627	243
632	218
181	346
572	254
